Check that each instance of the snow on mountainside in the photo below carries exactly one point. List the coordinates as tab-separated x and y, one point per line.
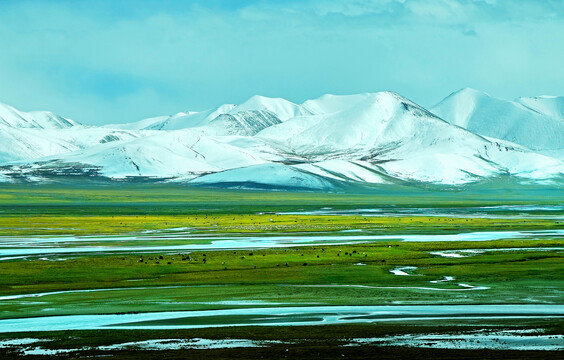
35	119
185	154
244	123
29	144
268	176
548	105
32	135
379	122
20	144
503	119
215	122
149	123
350	139
182	120
329	103
283	108
404	140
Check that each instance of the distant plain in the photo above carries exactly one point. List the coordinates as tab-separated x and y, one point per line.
364	260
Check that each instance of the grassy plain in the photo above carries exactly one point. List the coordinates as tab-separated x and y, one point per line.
289	276
259	223
286	276
123	208
164	199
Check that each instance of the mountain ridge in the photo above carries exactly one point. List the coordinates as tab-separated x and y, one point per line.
368	138
12	117
508	120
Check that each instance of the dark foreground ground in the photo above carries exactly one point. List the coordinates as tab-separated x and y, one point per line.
293	342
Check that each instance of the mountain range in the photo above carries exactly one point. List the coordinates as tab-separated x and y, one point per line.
321	144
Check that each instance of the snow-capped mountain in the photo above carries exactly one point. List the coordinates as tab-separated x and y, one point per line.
552	106
167	154
32	120
532	122
182	120
370	138
283	108
243	123
23	144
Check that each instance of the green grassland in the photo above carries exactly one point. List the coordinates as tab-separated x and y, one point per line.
123	208
259	223
135	282
169	198
513	277
287	276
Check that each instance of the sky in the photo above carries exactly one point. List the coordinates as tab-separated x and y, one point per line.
101	62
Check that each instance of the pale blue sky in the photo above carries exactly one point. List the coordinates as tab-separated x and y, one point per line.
119	61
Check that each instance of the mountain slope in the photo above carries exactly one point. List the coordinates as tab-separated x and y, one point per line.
328	103
267	176
552	106
375	128
17	144
181	154
282	108
325	143
179	121
11	117
501	119
243	123
22	144
405	141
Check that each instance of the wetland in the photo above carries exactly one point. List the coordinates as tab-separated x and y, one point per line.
127	271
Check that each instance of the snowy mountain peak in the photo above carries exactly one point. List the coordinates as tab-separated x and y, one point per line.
376	137
329	103
243	123
548	105
502	119
283	108
468	91
377	125
11	117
